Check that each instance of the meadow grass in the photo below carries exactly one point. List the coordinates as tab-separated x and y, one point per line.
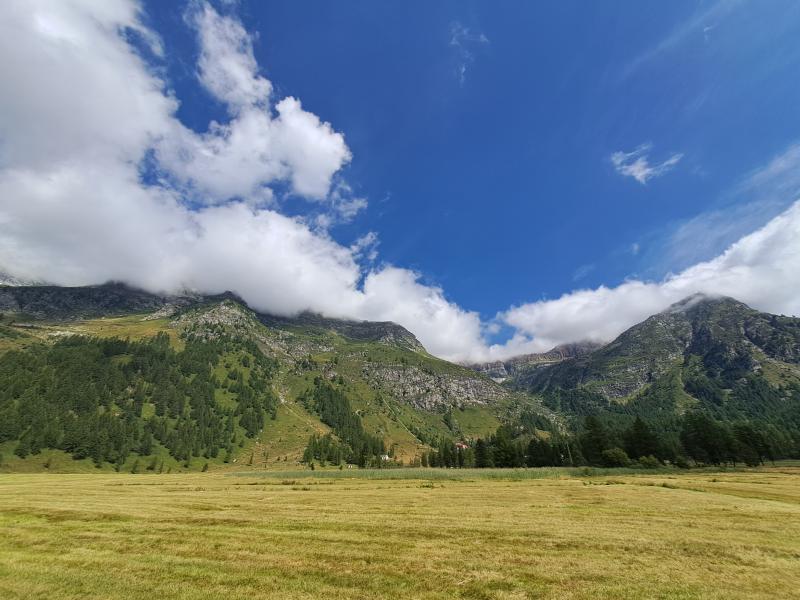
446	474
340	534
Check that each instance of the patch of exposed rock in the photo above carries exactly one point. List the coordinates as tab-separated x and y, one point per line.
502	370
229	317
431	391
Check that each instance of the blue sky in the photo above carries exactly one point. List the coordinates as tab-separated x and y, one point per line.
531	173
499	187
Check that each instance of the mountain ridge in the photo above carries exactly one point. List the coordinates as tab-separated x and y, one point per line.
349	385
400	392
501	370
699	344
117	298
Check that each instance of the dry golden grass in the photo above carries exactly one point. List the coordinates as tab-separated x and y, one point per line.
134	327
732	535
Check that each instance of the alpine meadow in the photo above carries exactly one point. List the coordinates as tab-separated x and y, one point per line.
433	300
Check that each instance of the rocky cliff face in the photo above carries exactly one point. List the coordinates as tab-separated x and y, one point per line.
427	390
425	385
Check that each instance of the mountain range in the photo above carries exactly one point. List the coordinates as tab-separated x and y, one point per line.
271	387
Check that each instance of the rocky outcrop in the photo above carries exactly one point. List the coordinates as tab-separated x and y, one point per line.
501	371
230	317
427	390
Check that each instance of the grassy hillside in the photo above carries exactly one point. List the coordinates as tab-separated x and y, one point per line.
200	536
712	354
399	392
714	381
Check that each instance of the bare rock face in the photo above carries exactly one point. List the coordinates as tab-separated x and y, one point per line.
500	371
430	391
231	317
214	320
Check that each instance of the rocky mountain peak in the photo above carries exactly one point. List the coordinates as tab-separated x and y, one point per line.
701	302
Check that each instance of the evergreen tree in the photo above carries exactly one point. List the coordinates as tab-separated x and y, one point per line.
640	440
482	456
594	440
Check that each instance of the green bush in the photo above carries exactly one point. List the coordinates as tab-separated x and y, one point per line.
615	457
649	462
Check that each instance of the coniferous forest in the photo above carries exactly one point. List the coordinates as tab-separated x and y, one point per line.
699	439
356	446
105	399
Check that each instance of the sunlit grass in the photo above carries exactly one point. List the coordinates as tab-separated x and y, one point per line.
668	535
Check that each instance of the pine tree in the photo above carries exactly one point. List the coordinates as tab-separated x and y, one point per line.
24	447
482	457
640	440
594	440
146	444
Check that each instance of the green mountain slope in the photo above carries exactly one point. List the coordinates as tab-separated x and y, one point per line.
179	382
711	353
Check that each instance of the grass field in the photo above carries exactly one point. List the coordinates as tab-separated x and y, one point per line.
477	535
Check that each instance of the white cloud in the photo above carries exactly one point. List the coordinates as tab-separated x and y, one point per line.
582	271
366	246
636	164
443	327
226	66
464	41
256	147
696	24
72	90
756	198
762	269
81	109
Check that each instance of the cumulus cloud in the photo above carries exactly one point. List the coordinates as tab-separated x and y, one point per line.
636	164
257	146
366	246
227	67
81	114
342	207
100	180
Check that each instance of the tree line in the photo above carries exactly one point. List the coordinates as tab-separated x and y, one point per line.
701	439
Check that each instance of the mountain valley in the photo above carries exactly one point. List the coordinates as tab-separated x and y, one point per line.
196	382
